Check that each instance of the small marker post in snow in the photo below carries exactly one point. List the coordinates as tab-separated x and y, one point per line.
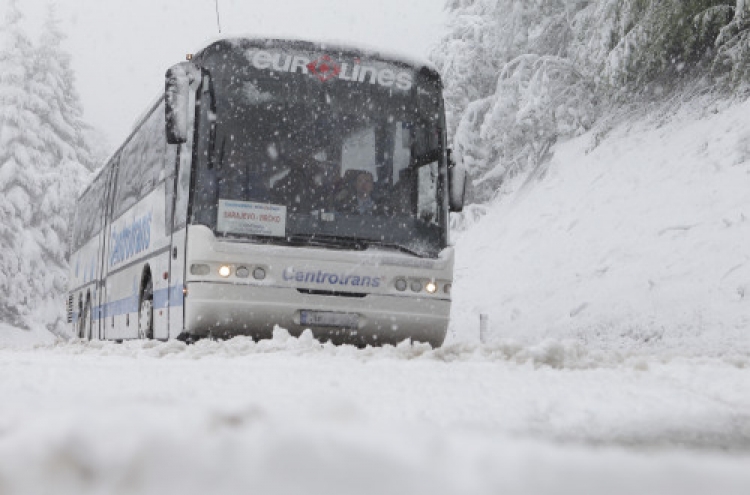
484	327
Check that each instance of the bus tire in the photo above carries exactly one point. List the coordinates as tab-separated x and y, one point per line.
84	322
146	311
79	321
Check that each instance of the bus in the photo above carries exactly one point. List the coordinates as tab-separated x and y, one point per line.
274	182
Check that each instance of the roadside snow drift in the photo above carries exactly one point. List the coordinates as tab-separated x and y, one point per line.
16	337
633	236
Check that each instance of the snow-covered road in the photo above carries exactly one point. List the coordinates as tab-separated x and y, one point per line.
292	416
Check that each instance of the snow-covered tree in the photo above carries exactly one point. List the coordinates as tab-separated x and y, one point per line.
43	163
521	74
64	162
54	82
512	86
640	46
733	44
20	148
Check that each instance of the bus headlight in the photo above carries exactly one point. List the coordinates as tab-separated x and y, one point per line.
259	273
225	271
447	288
242	272
431	287
416	286
400	284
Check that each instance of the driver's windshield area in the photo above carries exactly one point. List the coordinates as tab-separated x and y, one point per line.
295	149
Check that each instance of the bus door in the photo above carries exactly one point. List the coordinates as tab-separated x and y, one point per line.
177	204
181	156
101	297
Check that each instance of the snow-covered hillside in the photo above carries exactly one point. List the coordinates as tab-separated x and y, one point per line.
634	236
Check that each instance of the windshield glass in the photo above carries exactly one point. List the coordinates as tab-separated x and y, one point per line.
305	147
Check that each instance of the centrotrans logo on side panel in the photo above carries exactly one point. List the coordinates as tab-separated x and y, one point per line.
132	239
326	68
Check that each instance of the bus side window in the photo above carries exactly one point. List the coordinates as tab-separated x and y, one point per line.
401	150
90	212
205	194
183	191
427	193
141	161
169	171
161	167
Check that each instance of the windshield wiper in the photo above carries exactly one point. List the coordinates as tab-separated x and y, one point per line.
356	243
391	245
325	241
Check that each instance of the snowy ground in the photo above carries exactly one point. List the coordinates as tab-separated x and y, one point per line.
616	279
291	416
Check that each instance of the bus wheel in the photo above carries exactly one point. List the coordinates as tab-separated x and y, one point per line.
146	313
84	323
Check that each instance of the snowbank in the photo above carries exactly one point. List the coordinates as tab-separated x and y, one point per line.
566	354
630	238
16	337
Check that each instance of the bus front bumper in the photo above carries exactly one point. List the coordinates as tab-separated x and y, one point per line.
225	310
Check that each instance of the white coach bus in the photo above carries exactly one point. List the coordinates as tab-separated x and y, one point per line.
275	182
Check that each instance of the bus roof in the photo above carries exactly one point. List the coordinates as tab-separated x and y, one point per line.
320	45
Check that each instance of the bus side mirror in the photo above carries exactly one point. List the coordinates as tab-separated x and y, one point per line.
456	185
177	100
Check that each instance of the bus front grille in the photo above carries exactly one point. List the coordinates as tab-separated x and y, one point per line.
331	293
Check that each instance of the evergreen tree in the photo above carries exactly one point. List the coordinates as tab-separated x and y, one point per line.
639	46
521	74
733	44
20	149
466	57
43	159
62	166
512	86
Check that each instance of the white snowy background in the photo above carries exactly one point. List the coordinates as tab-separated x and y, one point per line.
121	49
615	272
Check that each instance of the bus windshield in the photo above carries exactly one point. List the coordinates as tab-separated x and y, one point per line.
310	148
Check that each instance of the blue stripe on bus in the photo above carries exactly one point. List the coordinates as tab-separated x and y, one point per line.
117	308
163	298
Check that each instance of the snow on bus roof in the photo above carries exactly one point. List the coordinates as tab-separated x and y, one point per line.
327	44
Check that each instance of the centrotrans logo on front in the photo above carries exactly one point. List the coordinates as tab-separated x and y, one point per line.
325	68
323	277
